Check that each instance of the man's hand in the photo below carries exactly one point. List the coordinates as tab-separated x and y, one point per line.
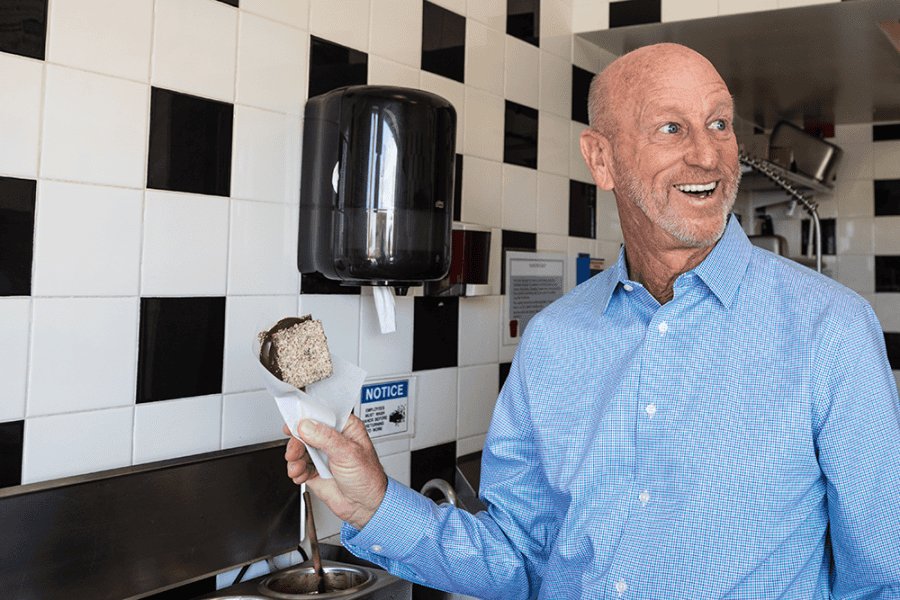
359	481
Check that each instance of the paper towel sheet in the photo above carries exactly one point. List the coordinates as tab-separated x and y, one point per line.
329	401
385	306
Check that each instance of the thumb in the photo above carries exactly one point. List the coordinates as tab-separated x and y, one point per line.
321	436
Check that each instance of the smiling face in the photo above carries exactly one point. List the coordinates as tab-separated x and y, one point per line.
674	159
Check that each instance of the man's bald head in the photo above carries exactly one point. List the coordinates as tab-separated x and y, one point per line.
612	85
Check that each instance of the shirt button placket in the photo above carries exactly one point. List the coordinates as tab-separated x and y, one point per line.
621	587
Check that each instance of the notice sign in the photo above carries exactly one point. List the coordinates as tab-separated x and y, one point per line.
532	282
384	407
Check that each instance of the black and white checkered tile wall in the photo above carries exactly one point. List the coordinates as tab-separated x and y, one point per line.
149	177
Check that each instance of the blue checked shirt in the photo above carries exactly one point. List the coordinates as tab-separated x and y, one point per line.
740	441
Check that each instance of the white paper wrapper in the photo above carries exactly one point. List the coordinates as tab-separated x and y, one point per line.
329	401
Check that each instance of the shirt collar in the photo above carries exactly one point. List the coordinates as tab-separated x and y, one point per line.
722	270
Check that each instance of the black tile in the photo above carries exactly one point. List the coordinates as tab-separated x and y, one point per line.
190	143
17	200
523	20
433	462
634	12
881	133
23	27
829	236
887	273
457	189
581	87
514	240
892	344
886	197
316	283
443	42
181	347
520	135
504	373
435	333
582	209
332	66
233	3
11	436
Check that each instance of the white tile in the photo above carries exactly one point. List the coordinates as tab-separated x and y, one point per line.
262	250
682	10
457	6
552	204
479	330
348	26
495	260
887	309
250	418
83	354
484	124
552	243
852	133
266	156
856	163
245	316
77	443
522	72
15	322
95	128
482	191
397	31
326	523
185	244
553	143
88	240
886	160
578	169
455	93
730	7
608	251
519	198
470	445
590	15
290	12
386	353
20	115
340	320
855	198
556	85
177	428
396	466
490	12
478	387
271	65
589	56
857	273
435	407
107	36
386	72
194	47
886	240
855	236
556	27
391	446
485	57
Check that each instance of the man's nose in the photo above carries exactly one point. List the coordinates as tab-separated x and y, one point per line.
703	151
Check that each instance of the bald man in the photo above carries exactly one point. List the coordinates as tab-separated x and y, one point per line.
702	420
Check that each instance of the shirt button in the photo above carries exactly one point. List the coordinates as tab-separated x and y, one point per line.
376	548
627	287
663	327
621	586
650	409
644	497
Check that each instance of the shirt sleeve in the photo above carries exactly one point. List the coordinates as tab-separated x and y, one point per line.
858	441
488	554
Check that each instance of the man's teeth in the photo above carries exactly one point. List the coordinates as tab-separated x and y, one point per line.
706	187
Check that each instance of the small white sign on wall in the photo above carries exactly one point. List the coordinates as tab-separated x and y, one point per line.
386	407
533	281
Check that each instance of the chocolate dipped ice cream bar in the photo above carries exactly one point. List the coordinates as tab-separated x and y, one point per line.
295	351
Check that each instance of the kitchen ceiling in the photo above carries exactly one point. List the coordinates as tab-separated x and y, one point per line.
832	63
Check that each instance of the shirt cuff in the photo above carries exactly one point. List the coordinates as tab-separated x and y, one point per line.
381	536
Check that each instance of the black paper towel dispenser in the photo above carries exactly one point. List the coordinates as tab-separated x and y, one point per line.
376	188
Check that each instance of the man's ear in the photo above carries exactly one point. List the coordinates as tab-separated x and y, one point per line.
597	152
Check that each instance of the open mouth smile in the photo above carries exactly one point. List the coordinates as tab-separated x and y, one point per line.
699	191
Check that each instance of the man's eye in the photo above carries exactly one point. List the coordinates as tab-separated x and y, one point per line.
669	128
719	124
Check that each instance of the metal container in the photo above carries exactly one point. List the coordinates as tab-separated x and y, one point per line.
805	153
